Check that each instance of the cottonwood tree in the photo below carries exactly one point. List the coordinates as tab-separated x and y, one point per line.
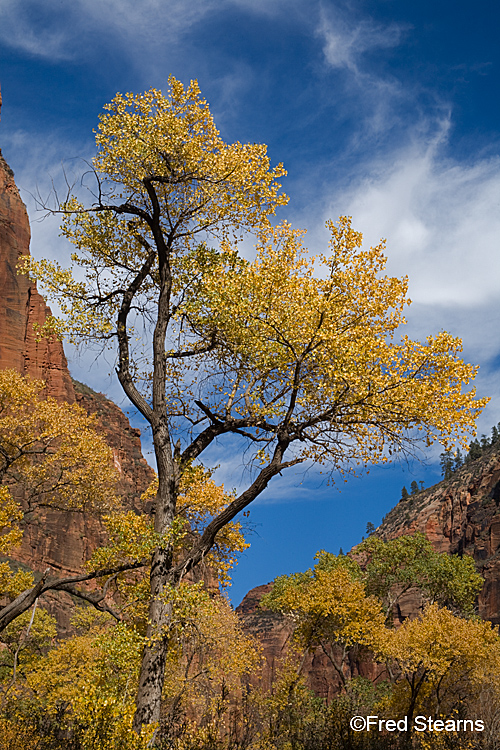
293	358
393	567
440	661
330	609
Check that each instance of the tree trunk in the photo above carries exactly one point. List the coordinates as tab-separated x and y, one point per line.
152	674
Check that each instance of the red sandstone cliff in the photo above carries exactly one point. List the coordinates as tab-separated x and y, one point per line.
460	515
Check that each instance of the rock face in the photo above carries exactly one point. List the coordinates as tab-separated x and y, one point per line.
125	441
460	516
20	304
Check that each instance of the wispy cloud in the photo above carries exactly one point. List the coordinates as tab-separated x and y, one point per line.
29	28
356	51
58	31
442	221
143	28
346	39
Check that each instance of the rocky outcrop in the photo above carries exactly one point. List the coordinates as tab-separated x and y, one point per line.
21	306
125	441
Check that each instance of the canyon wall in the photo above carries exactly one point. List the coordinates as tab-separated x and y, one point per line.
460	515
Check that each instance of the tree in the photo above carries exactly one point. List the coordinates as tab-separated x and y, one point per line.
330	608
414	487
440	660
50	456
293	357
447	464
404	494
458	461
475	450
393	567
52	451
132	538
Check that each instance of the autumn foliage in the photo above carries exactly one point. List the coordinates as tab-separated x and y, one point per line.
293	355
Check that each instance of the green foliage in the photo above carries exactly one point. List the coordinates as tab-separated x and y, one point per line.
476	448
447	464
395	566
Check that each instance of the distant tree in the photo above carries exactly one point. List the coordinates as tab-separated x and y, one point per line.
438	658
330	608
404	494
485	443
393	567
495	434
414	488
421	485
458	461
474	450
446	461
370	528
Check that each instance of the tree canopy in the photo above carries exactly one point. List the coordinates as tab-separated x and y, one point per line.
393	567
295	354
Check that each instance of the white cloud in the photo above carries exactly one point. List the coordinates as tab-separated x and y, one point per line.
346	41
367	93
24	27
144	29
441	220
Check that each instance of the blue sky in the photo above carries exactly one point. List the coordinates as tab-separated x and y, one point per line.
385	110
